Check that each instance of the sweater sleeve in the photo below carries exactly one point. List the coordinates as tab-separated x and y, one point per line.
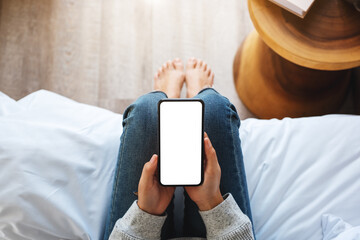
227	221
137	224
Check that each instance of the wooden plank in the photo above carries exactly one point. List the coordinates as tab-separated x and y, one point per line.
106	52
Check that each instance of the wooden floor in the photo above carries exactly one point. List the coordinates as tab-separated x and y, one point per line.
105	52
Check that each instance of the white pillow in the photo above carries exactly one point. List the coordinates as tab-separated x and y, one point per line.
57	161
298	170
335	228
8	105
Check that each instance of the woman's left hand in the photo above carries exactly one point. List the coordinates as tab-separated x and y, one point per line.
153	198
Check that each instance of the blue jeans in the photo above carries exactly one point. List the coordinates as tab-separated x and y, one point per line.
139	142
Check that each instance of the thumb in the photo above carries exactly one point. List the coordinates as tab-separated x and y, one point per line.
149	170
210	154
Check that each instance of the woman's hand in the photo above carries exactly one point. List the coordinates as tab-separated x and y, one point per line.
153	198
208	195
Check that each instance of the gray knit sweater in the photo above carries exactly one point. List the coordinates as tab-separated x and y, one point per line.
225	221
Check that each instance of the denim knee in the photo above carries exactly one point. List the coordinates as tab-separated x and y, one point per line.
145	107
213	97
218	109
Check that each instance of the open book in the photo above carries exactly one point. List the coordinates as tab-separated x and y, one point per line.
298	7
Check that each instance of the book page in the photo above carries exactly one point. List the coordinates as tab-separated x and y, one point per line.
289	6
302	4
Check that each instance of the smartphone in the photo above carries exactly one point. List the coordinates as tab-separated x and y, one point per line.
181	142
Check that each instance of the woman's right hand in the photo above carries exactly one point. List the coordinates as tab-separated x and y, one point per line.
208	195
153	198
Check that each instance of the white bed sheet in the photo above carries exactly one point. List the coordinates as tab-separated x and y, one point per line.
300	169
58	156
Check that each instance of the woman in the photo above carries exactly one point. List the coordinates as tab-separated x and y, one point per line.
219	208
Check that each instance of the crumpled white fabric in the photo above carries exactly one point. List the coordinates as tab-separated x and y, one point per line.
335	228
57	161
299	169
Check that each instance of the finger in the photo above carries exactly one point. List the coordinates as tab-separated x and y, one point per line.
211	159
149	170
170	190
189	188
205	136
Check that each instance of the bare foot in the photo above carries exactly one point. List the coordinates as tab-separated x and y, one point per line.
198	76
170	78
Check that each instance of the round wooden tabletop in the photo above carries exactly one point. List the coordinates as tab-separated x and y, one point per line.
328	38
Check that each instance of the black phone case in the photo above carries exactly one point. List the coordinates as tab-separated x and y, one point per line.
202	137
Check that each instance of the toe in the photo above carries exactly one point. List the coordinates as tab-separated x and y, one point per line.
169	64
191	63
208	71
163	68
178	65
212	78
199	64
204	66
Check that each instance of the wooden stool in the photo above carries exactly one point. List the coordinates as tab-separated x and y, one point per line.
297	67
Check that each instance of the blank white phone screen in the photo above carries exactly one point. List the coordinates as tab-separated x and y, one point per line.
180	142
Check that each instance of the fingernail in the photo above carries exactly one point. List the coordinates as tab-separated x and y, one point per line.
152	160
205	135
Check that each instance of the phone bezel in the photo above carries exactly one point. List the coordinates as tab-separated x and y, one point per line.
202	137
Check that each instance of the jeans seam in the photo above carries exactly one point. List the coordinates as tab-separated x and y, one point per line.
117	178
232	135
238	169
